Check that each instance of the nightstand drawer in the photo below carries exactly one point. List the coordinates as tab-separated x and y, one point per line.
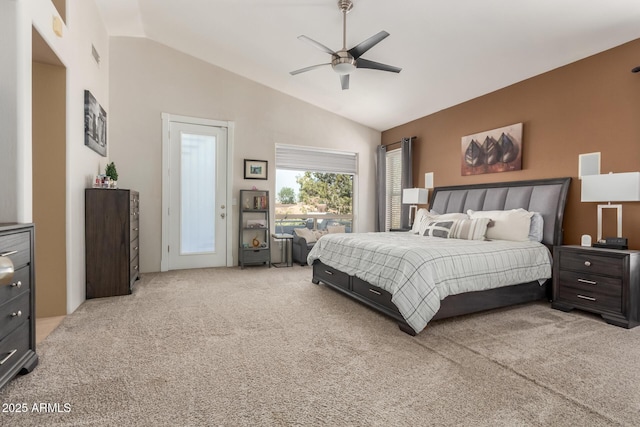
591	283
593	301
591	263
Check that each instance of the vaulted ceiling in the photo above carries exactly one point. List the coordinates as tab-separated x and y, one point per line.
450	51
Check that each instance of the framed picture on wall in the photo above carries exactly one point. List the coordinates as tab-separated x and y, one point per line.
255	169
95	125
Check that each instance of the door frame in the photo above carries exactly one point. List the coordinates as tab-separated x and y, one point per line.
167	119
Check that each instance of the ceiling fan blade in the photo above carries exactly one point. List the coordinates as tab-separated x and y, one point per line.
359	50
365	63
317	45
344	81
313	67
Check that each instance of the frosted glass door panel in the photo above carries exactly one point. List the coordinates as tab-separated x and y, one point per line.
198	193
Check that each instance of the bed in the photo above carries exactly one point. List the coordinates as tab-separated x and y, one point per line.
353	265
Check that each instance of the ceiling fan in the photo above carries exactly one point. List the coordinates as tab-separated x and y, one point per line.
346	61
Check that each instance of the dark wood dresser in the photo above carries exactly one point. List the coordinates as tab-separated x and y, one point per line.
17	301
603	281
112	227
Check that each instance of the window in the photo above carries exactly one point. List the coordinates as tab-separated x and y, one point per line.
314	188
393	192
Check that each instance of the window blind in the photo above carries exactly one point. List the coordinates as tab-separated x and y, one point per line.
394	189
315	160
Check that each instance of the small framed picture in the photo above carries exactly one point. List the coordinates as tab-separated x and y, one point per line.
255	169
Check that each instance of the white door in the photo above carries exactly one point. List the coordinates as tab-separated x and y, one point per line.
197	209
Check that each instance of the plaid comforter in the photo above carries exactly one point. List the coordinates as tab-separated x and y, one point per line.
420	271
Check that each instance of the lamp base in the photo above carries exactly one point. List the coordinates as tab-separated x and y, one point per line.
619	213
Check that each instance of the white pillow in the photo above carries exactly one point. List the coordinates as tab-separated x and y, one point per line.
511	225
420	213
306	234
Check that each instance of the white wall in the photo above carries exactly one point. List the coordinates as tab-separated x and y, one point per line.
83	27
147	79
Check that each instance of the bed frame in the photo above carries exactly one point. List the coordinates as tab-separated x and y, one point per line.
547	196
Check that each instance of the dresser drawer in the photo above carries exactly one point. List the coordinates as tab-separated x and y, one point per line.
330	275
19	284
13	313
373	293
591	263
134	249
17	246
13	347
134	230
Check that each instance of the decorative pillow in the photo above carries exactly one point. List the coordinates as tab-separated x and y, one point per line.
469	229
511	225
306	234
336	229
420	213
438	229
536	231
319	233
430	217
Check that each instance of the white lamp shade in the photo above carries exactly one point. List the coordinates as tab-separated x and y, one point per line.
612	187
415	196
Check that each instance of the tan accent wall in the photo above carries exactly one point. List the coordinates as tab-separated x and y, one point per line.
587	106
49	184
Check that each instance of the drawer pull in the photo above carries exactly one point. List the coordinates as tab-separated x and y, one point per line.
585	297
8	357
588	282
587	263
17	314
135	249
330	273
6	270
373	291
17	284
135	268
8	253
135	229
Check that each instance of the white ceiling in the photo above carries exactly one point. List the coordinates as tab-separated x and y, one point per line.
450	51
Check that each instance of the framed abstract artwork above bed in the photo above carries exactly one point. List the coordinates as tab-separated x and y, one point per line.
497	150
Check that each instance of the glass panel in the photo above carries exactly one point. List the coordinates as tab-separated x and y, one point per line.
198	187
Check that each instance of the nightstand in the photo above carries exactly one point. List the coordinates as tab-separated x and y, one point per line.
602	281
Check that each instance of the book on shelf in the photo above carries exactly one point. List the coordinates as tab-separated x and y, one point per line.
260	202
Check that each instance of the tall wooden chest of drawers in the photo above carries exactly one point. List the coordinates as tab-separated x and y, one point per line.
17	301
112	227
603	281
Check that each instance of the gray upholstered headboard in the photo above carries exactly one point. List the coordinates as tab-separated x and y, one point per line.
547	196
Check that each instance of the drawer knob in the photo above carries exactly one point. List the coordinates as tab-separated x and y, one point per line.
17	314
587	263
17	284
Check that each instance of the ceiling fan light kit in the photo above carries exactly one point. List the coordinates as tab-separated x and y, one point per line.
345	61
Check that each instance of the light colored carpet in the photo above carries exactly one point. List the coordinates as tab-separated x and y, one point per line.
266	347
